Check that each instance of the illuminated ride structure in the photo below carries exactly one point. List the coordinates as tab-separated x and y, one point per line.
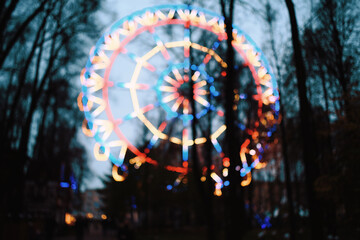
150	59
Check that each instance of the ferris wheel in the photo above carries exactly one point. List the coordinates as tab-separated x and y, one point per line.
145	71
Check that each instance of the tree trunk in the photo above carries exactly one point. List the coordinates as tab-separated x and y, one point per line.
234	200
287	170
307	132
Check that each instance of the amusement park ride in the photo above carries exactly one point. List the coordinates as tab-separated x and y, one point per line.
163	67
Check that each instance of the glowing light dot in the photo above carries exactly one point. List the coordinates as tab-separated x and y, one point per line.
252	152
237	168
226	162
226	183
103	216
169	187
203	178
69	219
225	172
218	192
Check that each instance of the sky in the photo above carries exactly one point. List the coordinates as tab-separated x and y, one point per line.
245	17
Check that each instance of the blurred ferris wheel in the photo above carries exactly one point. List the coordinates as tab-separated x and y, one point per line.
145	71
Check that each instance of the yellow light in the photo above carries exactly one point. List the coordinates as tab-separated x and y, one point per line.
117	177
253	58
175	44
101	61
112	42
175	140
203	178
247	181
104	126
199	84
200	140
160	15
167	89
151	53
95	82
171	13
101	156
195	77
177	75
260	165
225	172
215	177
100	108
103	217
218	132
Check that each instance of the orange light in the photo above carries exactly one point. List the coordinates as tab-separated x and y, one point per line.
226	162
103	217
117	177
69	219
218	192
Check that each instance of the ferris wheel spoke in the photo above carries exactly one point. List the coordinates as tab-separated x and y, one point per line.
142	61
178	76
201	100
185	145
170	97
161	45
137	86
177	104
155	138
172	81
134	114
208	56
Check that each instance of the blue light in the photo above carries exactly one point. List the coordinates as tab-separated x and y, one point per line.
241	126
226	183
84	100
169	187
64	185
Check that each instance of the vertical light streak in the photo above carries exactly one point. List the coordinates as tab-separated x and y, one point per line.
185	147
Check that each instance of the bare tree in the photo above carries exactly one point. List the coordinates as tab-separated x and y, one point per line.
306	128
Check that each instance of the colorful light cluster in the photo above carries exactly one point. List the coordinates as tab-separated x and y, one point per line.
170	88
